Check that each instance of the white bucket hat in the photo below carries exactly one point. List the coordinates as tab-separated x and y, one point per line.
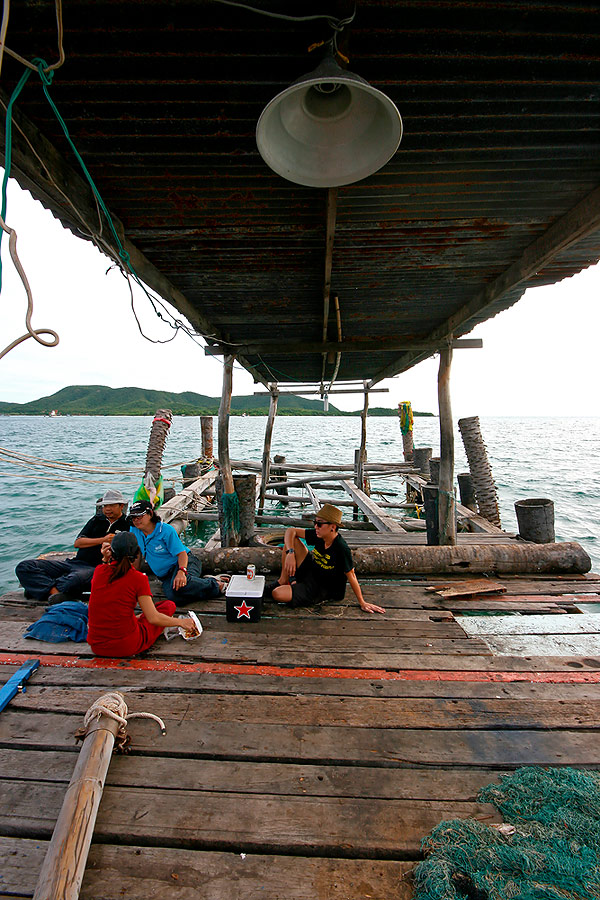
112	496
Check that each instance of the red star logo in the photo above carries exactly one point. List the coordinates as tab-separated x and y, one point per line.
243	610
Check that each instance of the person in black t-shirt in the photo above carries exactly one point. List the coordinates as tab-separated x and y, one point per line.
308	578
61	579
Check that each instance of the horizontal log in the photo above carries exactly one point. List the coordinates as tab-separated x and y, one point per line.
499	559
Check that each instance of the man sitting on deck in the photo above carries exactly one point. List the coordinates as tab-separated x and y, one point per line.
62	579
309	578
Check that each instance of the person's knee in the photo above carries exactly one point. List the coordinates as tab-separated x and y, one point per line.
282	594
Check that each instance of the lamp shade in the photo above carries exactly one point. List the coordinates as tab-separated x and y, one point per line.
329	128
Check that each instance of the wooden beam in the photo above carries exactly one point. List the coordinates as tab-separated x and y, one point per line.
361	345
376	515
583	219
171	511
446	501
232	539
39	168
334	391
314	499
266	459
329	238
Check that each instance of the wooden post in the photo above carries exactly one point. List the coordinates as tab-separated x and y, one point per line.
363	444
64	864
230	538
266	459
279	474
206	430
446	501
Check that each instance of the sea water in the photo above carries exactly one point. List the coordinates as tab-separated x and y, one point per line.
43	508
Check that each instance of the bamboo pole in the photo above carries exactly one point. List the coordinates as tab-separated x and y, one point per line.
266	459
446	501
231	538
64	864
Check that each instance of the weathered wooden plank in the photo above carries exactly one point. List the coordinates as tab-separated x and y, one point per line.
115	872
360	712
257	778
375	514
256	646
322	745
341	826
545	644
546	624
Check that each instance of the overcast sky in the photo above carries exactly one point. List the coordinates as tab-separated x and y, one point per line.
538	358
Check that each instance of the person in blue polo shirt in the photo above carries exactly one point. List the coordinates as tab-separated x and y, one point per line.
168	557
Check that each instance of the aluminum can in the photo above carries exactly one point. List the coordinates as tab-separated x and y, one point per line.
251	572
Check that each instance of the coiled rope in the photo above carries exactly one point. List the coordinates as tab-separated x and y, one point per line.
113	705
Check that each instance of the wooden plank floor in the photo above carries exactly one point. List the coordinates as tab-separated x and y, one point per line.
306	755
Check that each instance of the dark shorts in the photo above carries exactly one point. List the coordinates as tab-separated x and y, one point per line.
307	589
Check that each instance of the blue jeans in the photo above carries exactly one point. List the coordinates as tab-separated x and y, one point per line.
68	576
197	588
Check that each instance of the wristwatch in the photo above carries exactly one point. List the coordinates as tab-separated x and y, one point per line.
291	550
181	569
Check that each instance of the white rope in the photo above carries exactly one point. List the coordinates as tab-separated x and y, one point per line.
113	705
26	459
31	332
25	62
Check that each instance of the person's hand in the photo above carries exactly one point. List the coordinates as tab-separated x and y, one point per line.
108	539
180	581
105	552
371	607
187	624
289	565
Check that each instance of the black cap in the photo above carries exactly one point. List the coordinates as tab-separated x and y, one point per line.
124	544
140	507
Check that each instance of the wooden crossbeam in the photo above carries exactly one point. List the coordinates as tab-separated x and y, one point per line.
380	520
359	346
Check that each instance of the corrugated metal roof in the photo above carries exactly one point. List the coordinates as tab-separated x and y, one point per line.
500	109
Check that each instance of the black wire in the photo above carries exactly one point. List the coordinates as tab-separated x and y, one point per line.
336	24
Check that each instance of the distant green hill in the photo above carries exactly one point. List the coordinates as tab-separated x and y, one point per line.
97	400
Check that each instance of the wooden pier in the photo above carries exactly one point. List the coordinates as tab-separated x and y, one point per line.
307	755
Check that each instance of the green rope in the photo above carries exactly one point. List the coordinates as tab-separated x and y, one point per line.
550	851
231	513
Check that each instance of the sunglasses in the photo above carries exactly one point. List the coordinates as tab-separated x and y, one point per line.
320	522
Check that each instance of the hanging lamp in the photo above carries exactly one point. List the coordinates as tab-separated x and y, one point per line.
328	128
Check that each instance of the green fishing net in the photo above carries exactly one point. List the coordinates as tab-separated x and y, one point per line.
551	852
231	513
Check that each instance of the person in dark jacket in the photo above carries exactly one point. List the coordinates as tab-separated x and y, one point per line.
62	579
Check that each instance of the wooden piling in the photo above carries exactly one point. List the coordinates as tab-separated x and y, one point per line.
279	474
206	431
230	536
479	466
406	429
446	501
266	458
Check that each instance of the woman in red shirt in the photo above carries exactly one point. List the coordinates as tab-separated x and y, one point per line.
117	588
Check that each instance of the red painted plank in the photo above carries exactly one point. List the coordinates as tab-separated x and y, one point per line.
150	665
